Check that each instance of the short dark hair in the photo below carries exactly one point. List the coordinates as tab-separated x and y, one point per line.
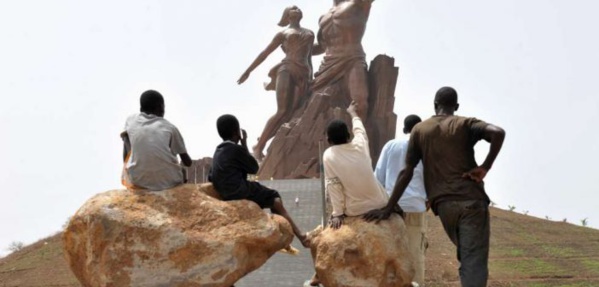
447	97
337	132
151	101
409	122
227	126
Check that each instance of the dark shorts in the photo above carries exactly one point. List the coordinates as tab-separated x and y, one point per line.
262	195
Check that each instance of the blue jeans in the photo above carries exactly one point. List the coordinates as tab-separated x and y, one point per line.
467	225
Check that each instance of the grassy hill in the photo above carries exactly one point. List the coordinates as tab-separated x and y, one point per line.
525	251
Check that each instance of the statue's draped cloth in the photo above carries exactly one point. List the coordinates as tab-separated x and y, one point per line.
338	60
335	67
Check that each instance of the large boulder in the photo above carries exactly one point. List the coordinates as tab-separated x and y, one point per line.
363	254
176	237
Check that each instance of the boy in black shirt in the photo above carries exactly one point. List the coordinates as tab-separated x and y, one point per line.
230	166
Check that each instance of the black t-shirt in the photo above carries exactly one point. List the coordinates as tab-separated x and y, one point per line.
230	166
446	146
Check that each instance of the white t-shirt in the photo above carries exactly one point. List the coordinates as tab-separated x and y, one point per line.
155	144
348	175
390	164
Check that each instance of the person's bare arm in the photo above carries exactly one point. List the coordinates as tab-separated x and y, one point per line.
358	129
186	159
245	159
404	178
495	136
126	144
352	110
274	44
184	172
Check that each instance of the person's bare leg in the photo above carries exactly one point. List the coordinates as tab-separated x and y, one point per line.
284	91
358	89
279	209
314	281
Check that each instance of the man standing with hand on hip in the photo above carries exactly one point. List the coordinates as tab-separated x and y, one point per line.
453	181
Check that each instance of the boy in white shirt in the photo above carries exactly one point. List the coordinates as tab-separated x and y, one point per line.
350	183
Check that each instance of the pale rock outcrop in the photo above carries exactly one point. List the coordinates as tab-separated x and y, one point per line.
176	237
363	254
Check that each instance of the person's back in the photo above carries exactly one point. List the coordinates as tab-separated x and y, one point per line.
153	162
413	201
453	181
230	166
352	168
348	172
446	144
391	162
151	147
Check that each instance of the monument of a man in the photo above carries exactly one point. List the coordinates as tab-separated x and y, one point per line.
340	39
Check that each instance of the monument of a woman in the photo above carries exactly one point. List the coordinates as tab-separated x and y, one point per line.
290	78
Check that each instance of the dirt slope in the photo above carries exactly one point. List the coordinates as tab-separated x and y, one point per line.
525	251
39	264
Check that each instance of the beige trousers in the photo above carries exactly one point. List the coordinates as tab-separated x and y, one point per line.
416	226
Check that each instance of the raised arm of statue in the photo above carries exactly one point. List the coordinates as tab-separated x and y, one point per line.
274	44
367	3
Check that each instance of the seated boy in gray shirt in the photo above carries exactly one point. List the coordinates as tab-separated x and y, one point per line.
151	146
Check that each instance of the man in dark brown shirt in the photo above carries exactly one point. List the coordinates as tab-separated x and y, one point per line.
453	181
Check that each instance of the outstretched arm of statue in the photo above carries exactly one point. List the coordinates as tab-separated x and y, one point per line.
276	42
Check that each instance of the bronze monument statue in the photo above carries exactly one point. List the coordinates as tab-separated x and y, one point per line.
290	78
340	39
343	77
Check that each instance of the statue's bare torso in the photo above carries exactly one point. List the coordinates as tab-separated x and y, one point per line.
297	45
343	26
340	39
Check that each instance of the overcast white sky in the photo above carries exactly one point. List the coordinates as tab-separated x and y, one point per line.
72	71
